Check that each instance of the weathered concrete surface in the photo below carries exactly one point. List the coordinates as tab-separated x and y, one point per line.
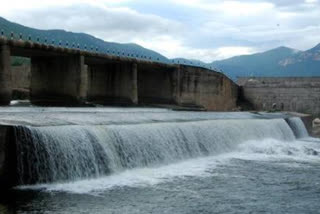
59	77
113	83
127	83
21	76
157	84
211	90
186	86
299	94
21	79
58	80
5	75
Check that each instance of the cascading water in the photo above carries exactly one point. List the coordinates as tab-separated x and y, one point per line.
297	127
59	153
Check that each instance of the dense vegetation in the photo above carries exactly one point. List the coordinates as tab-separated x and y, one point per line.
17	61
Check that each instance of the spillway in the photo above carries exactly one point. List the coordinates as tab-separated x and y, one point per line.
65	145
69	153
297	127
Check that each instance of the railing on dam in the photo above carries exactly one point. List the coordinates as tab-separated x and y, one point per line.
46	39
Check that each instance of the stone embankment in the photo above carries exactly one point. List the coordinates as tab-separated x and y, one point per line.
295	94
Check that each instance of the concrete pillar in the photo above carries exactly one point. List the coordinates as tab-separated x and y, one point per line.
83	81
134	83
5	75
58	80
176	91
197	87
113	83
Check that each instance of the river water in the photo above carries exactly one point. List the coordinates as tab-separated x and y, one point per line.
118	160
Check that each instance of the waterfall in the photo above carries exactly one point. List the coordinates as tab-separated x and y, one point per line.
60	153
297	127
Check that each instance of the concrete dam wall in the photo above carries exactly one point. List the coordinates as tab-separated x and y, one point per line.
211	90
72	77
298	94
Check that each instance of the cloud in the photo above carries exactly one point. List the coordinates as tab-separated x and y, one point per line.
117	24
198	29
238	8
173	48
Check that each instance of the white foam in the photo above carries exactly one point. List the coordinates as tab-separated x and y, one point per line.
290	153
133	178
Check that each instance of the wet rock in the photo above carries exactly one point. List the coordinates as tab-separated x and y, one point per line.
316	122
316	127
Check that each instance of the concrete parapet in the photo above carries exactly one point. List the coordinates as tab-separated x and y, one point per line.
5	75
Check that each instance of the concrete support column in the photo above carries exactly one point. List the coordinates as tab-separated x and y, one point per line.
60	80
134	82
83	81
176	85
5	75
197	88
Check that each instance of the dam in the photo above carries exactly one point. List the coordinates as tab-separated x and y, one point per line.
71	76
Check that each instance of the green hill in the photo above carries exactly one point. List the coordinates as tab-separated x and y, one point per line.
278	62
71	39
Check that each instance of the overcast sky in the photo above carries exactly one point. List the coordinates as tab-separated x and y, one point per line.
198	29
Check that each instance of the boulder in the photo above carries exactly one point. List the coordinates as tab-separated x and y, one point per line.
316	122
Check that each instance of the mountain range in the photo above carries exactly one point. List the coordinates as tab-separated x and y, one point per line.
278	62
281	61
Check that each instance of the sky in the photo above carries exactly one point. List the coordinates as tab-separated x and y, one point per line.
206	30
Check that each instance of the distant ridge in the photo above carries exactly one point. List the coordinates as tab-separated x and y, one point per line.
278	62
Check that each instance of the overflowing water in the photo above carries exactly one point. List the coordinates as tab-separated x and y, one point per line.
51	154
160	161
298	127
